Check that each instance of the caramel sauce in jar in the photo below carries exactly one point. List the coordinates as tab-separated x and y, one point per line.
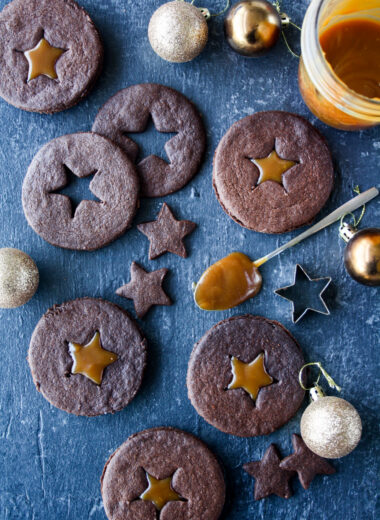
339	74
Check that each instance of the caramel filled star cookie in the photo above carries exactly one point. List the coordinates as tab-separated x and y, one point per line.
129	111
50	54
162	473
272	172
87	357
93	223
243	376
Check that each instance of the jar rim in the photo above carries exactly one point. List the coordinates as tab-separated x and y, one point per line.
336	91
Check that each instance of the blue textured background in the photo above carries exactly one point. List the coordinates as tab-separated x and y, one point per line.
52	460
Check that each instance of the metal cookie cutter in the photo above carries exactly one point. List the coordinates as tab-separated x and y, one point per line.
306	294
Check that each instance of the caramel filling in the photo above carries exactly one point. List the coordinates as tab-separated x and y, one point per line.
227	283
160	492
42	60
272	167
250	376
90	360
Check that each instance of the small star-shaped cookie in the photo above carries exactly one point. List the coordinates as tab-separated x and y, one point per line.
90	360
166	234
42	60
269	477
160	492
145	289
306	463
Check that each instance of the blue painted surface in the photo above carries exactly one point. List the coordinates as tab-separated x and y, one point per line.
53	461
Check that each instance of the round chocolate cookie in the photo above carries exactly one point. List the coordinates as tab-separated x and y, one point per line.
92	224
87	357
129	110
162	473
272	172
50	54
243	376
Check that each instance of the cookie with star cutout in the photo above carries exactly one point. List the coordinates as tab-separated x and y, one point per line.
272	172
51	54
87	357
129	111
92	223
162	474
243	376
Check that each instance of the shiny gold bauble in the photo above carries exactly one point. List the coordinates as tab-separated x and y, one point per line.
252	27
18	278
178	31
331	427
362	256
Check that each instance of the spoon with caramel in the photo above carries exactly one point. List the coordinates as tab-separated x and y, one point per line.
235	278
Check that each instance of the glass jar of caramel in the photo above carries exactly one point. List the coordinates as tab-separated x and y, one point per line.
339	73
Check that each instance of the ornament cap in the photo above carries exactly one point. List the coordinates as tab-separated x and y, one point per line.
205	12
285	19
346	231
316	393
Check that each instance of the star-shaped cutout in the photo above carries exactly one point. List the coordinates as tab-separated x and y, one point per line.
160	492
306	463
250	376
269	477
91	359
306	294
272	167
74	188
166	234
145	289
42	60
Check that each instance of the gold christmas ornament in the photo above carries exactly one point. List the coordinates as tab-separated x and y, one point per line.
252	27
330	426
178	31
362	254
18	278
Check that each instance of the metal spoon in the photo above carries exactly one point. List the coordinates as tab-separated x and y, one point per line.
235	278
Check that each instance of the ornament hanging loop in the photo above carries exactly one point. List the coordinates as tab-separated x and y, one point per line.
347	231
321	372
285	21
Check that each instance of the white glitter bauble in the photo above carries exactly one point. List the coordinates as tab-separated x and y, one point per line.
331	427
18	278
178	31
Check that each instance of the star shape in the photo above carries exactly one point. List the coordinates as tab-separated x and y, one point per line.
306	463
306	294
42	60
160	492
166	234
91	359
250	376
272	168
72	188
270	479
145	289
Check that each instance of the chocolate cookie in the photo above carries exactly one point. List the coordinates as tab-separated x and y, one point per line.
145	289
93	224
87	357
272	172
306	463
243	376
270	477
129	110
166	234
162	473
50	54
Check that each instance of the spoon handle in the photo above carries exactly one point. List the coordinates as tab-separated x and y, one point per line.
348	207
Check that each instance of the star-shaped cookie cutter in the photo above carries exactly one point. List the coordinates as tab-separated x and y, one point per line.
301	299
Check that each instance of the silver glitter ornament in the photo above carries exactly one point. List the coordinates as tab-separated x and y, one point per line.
330	426
18	278
178	31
